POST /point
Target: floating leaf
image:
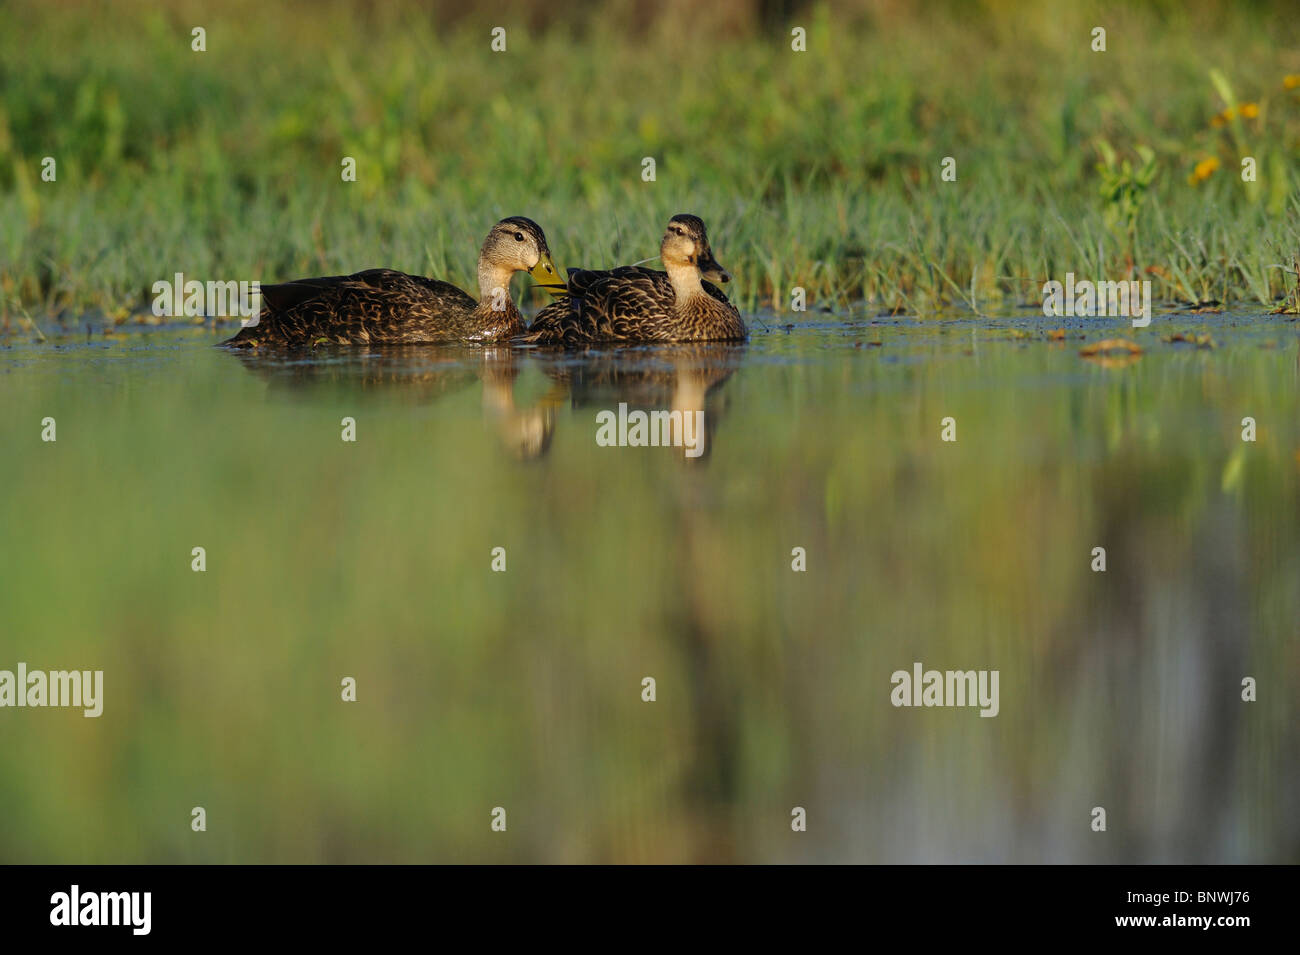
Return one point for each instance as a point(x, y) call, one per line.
point(1106, 345)
point(1191, 338)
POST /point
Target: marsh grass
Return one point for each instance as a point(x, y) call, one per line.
point(817, 169)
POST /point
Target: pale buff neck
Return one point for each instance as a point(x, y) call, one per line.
point(685, 280)
point(490, 278)
point(507, 320)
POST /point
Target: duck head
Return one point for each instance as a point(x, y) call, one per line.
point(518, 244)
point(686, 245)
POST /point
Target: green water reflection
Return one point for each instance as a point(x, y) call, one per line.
point(477, 689)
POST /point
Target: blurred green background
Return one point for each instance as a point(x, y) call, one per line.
point(818, 169)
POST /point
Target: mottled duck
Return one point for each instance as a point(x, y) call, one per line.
point(633, 304)
point(383, 306)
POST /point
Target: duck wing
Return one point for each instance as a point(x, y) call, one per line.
point(381, 283)
point(373, 306)
point(627, 302)
point(627, 306)
point(580, 280)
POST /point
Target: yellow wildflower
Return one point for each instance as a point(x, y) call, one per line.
point(1203, 170)
point(1291, 81)
point(1249, 110)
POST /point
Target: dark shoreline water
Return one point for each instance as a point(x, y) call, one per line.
point(523, 689)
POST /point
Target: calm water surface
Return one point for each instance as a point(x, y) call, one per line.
point(523, 689)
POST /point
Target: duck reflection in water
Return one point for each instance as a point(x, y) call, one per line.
point(414, 375)
point(682, 380)
point(672, 393)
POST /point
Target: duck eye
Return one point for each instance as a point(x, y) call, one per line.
point(519, 237)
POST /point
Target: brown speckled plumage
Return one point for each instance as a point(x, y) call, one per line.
point(581, 280)
point(632, 304)
point(383, 306)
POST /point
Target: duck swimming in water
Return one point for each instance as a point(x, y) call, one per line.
point(633, 304)
point(382, 306)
